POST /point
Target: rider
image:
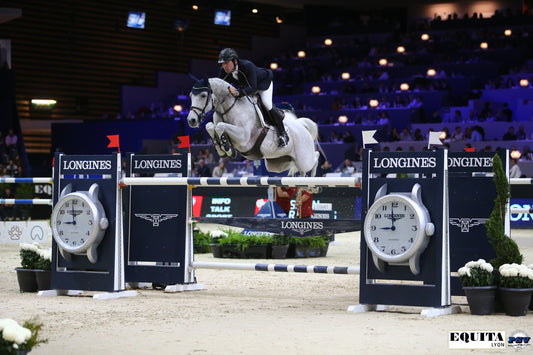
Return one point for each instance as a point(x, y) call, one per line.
point(249, 80)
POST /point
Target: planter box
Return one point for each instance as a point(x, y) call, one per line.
point(279, 251)
point(231, 251)
point(43, 278)
point(216, 250)
point(324, 250)
point(256, 252)
point(301, 251)
point(27, 280)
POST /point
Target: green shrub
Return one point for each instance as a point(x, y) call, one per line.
point(312, 242)
point(507, 251)
point(201, 241)
point(279, 239)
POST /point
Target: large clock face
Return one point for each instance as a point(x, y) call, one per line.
point(73, 222)
point(392, 227)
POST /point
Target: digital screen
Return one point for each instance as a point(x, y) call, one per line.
point(222, 17)
point(136, 19)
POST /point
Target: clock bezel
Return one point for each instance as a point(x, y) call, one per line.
point(95, 213)
point(421, 220)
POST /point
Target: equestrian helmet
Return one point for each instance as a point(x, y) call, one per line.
point(227, 54)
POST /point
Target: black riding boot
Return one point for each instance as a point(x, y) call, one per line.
point(278, 122)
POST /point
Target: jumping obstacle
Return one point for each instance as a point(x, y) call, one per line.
point(157, 210)
point(132, 183)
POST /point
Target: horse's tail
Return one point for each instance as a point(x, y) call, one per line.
point(310, 125)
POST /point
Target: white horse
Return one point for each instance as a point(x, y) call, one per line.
point(237, 123)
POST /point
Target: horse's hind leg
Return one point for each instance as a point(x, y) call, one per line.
point(313, 170)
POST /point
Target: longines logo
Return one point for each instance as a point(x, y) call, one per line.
point(157, 164)
point(405, 162)
point(466, 223)
point(301, 227)
point(470, 162)
point(155, 218)
point(86, 164)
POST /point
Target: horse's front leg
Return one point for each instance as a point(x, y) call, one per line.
point(230, 136)
point(210, 128)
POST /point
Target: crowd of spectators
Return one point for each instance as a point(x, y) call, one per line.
point(10, 162)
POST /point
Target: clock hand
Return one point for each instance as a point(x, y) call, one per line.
point(392, 216)
point(73, 216)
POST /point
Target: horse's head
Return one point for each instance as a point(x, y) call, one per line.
point(201, 102)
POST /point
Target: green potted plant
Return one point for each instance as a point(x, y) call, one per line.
point(201, 241)
point(233, 244)
point(29, 255)
point(215, 242)
point(479, 286)
point(43, 268)
point(516, 287)
point(324, 249)
point(506, 249)
point(257, 246)
point(280, 246)
point(308, 246)
point(16, 339)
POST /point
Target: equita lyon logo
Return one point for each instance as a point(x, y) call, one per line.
point(476, 339)
point(155, 218)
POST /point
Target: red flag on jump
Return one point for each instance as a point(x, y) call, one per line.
point(470, 149)
point(114, 142)
point(184, 142)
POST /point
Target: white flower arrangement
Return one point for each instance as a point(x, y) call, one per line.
point(13, 332)
point(516, 276)
point(218, 234)
point(476, 273)
point(16, 338)
point(34, 257)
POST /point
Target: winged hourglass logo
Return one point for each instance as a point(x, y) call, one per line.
point(155, 218)
point(466, 223)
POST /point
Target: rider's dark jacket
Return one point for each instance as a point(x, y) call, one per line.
point(250, 78)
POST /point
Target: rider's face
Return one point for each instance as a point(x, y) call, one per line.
point(228, 66)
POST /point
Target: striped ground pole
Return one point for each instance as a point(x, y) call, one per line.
point(27, 180)
point(244, 181)
point(309, 269)
point(25, 201)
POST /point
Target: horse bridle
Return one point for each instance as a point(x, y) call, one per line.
point(202, 115)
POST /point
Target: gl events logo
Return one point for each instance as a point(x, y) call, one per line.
point(487, 340)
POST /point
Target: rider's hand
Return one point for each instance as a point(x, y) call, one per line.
point(233, 91)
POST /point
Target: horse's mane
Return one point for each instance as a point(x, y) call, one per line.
point(218, 84)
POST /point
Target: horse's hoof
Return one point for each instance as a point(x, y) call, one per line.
point(233, 153)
